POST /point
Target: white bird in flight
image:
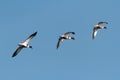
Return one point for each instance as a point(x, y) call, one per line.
point(65, 36)
point(98, 26)
point(24, 44)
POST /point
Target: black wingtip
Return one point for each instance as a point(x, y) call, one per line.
point(93, 38)
point(13, 55)
point(73, 32)
point(57, 47)
point(106, 22)
point(34, 34)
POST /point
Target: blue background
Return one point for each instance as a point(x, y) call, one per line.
point(82, 59)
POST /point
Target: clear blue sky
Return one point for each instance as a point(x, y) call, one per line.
point(82, 59)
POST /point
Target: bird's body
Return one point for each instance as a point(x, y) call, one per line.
point(98, 26)
point(65, 36)
point(24, 44)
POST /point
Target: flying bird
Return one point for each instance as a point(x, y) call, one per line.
point(24, 44)
point(98, 26)
point(66, 36)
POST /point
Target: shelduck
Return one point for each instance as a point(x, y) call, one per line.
point(24, 44)
point(66, 36)
point(98, 26)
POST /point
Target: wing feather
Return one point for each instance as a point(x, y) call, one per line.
point(94, 33)
point(59, 41)
point(17, 51)
point(30, 37)
point(101, 23)
point(68, 33)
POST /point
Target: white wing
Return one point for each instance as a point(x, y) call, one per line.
point(30, 37)
point(94, 33)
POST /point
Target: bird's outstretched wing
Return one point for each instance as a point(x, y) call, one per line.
point(68, 33)
point(59, 41)
point(17, 51)
point(94, 33)
point(101, 23)
point(30, 37)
